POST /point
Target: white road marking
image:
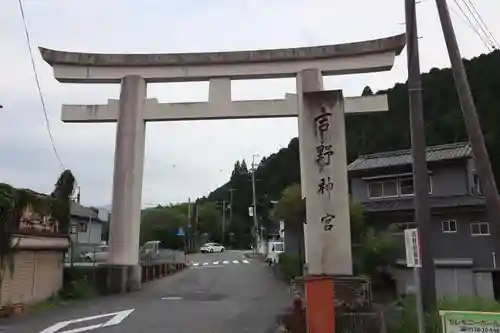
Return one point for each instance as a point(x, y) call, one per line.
point(195, 263)
point(205, 263)
point(117, 318)
point(236, 262)
point(212, 266)
point(245, 261)
point(225, 262)
point(216, 262)
point(171, 298)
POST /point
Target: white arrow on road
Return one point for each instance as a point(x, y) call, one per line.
point(117, 317)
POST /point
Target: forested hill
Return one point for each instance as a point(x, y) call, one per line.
point(383, 131)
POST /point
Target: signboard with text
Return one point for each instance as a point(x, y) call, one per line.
point(412, 246)
point(468, 321)
point(328, 236)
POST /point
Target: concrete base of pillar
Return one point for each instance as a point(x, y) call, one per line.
point(123, 279)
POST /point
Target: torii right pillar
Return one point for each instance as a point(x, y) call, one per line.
point(323, 159)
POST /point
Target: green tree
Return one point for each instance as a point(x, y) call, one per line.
point(63, 193)
point(372, 247)
point(7, 224)
point(162, 223)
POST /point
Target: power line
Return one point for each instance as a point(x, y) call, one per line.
point(472, 26)
point(37, 80)
point(475, 13)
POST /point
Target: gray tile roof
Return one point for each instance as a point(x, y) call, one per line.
point(82, 211)
point(403, 157)
point(407, 203)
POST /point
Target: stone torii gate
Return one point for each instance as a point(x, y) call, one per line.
point(321, 129)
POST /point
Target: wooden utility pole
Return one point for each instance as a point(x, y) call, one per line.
point(231, 205)
point(472, 123)
point(223, 214)
point(419, 152)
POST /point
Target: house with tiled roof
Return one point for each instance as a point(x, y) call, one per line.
point(462, 246)
point(87, 225)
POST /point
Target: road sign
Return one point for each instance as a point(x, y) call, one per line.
point(180, 232)
point(412, 245)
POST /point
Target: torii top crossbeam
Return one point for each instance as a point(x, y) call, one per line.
point(359, 57)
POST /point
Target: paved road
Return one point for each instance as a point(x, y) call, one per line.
point(239, 296)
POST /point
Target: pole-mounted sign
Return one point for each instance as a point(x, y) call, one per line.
point(412, 245)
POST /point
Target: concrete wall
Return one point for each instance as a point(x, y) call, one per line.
point(460, 244)
point(37, 276)
point(450, 281)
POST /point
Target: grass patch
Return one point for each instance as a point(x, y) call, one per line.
point(402, 317)
point(76, 290)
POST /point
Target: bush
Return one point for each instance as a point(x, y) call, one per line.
point(469, 303)
point(289, 265)
point(402, 317)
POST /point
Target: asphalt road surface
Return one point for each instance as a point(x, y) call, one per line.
point(218, 293)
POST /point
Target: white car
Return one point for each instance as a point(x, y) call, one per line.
point(211, 248)
point(100, 254)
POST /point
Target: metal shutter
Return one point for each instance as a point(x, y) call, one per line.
point(49, 274)
point(19, 287)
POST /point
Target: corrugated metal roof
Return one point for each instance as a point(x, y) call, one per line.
point(402, 157)
point(390, 205)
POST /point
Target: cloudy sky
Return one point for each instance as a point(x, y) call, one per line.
point(183, 159)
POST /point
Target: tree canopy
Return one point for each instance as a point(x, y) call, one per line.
point(376, 132)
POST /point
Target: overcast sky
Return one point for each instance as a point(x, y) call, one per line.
point(183, 159)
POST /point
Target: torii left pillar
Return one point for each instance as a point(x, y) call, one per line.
point(124, 272)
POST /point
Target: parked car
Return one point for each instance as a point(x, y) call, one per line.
point(211, 248)
point(150, 250)
point(100, 254)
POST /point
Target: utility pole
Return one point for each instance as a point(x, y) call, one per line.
point(472, 123)
point(223, 214)
point(419, 152)
point(254, 203)
point(189, 223)
point(223, 219)
point(231, 205)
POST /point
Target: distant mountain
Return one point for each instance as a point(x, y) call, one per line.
point(106, 207)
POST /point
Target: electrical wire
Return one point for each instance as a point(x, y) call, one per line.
point(38, 85)
point(472, 26)
point(473, 10)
